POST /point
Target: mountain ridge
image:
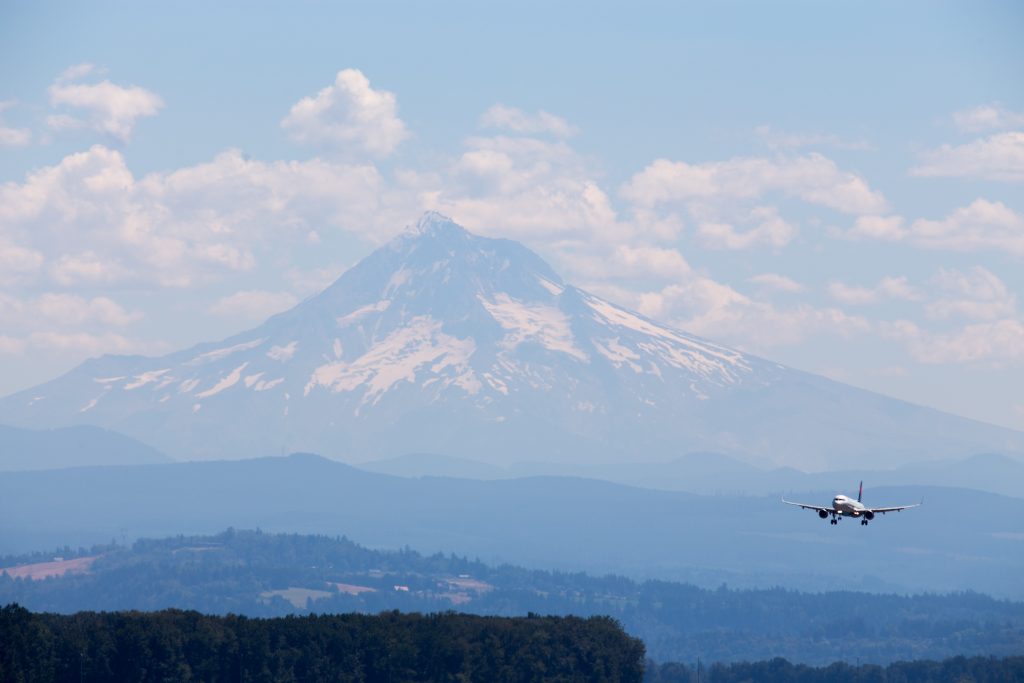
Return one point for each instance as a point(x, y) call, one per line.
point(28, 449)
point(961, 539)
point(444, 341)
point(714, 474)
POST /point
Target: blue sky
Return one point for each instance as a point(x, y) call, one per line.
point(837, 186)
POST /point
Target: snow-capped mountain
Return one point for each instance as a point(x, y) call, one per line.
point(443, 341)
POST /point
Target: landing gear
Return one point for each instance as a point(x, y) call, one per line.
point(834, 521)
point(863, 522)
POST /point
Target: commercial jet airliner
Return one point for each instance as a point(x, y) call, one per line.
point(843, 506)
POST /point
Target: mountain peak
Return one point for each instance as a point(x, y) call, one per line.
point(435, 224)
point(448, 342)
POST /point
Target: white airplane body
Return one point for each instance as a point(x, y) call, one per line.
point(844, 506)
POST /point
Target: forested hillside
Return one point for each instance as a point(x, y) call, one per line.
point(258, 574)
point(187, 646)
point(394, 647)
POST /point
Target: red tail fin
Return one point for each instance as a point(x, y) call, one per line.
point(860, 492)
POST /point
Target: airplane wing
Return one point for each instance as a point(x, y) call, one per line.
point(807, 506)
point(882, 511)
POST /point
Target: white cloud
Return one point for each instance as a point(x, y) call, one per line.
point(110, 109)
point(62, 122)
point(73, 310)
point(981, 225)
point(17, 263)
point(75, 326)
point(518, 121)
point(85, 344)
point(598, 265)
point(702, 306)
point(757, 325)
point(79, 71)
point(726, 199)
point(997, 157)
point(812, 178)
point(88, 221)
point(89, 268)
point(348, 115)
point(253, 304)
point(887, 288)
point(14, 137)
point(997, 343)
point(63, 310)
point(649, 261)
point(878, 227)
point(74, 347)
point(978, 294)
point(526, 188)
point(987, 117)
point(769, 229)
point(777, 283)
point(776, 139)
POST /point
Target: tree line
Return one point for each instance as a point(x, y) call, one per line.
point(175, 645)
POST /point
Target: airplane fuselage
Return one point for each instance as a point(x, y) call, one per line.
point(844, 505)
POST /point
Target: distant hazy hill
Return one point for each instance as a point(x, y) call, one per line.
point(260, 575)
point(960, 539)
point(434, 465)
point(714, 473)
point(29, 449)
point(446, 342)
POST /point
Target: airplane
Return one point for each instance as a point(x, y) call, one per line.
point(843, 506)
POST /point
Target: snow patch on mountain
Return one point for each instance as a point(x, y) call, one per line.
point(710, 361)
point(533, 322)
point(496, 383)
point(419, 345)
point(618, 354)
point(360, 313)
point(145, 378)
point(284, 352)
point(226, 383)
point(552, 287)
point(399, 278)
point(264, 385)
point(219, 354)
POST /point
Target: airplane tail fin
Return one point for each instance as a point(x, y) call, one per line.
point(860, 491)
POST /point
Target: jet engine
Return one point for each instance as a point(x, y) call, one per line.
point(822, 514)
point(869, 515)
